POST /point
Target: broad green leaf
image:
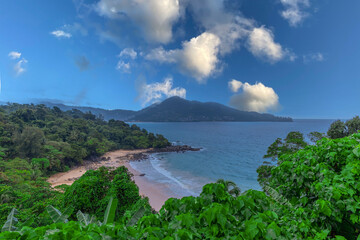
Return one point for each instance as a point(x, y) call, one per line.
point(83, 218)
point(10, 221)
point(139, 213)
point(57, 216)
point(109, 215)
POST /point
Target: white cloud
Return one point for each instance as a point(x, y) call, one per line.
point(257, 97)
point(19, 65)
point(14, 55)
point(230, 28)
point(197, 58)
point(294, 11)
point(154, 17)
point(261, 43)
point(313, 57)
point(75, 28)
point(154, 92)
point(163, 56)
point(123, 67)
point(19, 68)
point(224, 32)
point(61, 34)
point(235, 85)
point(128, 52)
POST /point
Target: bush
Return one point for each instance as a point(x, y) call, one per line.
point(91, 192)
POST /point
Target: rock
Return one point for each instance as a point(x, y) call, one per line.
point(175, 148)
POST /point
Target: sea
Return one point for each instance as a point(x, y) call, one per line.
point(229, 150)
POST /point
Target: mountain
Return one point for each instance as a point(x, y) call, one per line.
point(176, 109)
point(117, 114)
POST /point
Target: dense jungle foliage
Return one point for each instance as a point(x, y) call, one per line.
point(37, 141)
point(311, 192)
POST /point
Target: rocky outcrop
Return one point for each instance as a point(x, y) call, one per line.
point(175, 148)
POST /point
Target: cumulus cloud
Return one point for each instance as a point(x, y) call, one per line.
point(82, 63)
point(14, 55)
point(123, 67)
point(294, 11)
point(215, 18)
point(155, 18)
point(313, 57)
point(257, 97)
point(224, 32)
point(61, 34)
point(235, 85)
point(154, 92)
point(197, 57)
point(128, 52)
point(261, 43)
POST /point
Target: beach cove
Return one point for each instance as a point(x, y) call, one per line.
point(156, 192)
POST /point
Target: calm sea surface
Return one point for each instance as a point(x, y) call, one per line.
point(231, 150)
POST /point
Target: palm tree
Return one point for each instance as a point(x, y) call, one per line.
point(230, 187)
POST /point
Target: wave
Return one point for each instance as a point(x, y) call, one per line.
point(156, 164)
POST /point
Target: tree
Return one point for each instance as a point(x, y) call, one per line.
point(292, 143)
point(42, 163)
point(230, 187)
point(92, 191)
point(353, 125)
point(30, 142)
point(316, 136)
point(337, 130)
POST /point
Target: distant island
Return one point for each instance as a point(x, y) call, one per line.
point(176, 109)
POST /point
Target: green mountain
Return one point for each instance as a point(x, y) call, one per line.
point(176, 109)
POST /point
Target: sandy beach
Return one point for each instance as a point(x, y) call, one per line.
point(155, 192)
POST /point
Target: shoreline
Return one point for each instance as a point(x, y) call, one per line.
point(156, 192)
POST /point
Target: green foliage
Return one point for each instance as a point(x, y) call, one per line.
point(92, 191)
point(230, 187)
point(353, 125)
point(66, 138)
point(42, 163)
point(323, 181)
point(316, 136)
point(292, 143)
point(57, 216)
point(340, 129)
point(215, 214)
point(36, 141)
point(11, 221)
point(85, 219)
point(109, 215)
point(29, 143)
point(337, 130)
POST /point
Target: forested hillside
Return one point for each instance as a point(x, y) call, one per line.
point(66, 138)
point(36, 141)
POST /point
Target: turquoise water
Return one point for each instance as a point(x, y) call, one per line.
point(231, 150)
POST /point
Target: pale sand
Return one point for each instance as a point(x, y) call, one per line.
point(154, 191)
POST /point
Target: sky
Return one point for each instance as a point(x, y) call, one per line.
point(297, 58)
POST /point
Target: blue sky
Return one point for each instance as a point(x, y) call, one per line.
point(297, 58)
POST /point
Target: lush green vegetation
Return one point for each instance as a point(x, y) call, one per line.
point(66, 138)
point(37, 141)
point(312, 192)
